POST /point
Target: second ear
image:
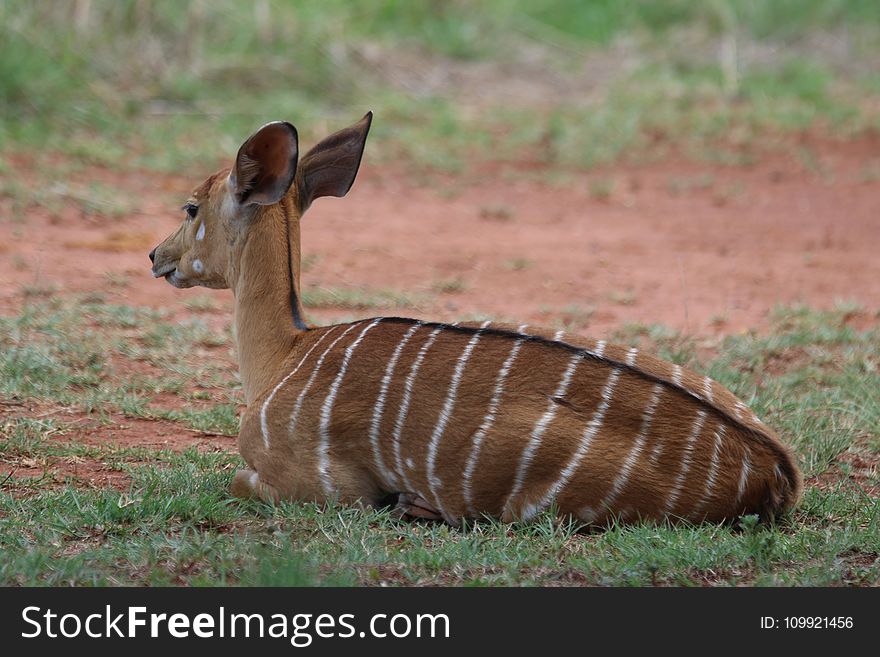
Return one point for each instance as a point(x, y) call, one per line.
point(330, 167)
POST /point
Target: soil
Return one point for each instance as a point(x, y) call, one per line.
point(114, 431)
point(705, 249)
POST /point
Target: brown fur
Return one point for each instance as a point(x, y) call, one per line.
point(595, 449)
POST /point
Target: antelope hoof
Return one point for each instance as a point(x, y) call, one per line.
point(415, 506)
point(246, 484)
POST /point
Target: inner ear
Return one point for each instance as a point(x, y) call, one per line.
point(265, 165)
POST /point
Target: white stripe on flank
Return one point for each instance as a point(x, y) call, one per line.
point(302, 395)
point(443, 419)
point(686, 462)
point(593, 427)
point(558, 335)
point(741, 409)
point(600, 349)
point(743, 480)
point(676, 375)
point(263, 423)
point(390, 479)
point(632, 458)
point(404, 405)
point(713, 471)
point(488, 421)
point(707, 388)
point(540, 427)
point(631, 356)
point(327, 409)
point(529, 511)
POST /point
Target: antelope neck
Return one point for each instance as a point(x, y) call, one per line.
point(268, 314)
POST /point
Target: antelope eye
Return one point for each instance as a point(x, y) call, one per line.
point(191, 210)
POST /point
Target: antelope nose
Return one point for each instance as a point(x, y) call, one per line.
point(153, 255)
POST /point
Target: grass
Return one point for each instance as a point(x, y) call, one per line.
point(571, 317)
point(449, 285)
point(601, 189)
point(97, 358)
point(72, 92)
point(358, 298)
point(518, 264)
point(169, 520)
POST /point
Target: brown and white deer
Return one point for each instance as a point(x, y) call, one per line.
point(455, 420)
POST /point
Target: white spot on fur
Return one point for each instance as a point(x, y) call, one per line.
point(198, 267)
point(200, 233)
point(409, 463)
point(253, 479)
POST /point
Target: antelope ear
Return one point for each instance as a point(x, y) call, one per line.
point(265, 165)
point(329, 169)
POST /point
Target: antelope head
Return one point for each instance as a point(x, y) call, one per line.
point(206, 248)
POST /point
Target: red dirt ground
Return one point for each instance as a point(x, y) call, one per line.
point(116, 431)
point(705, 249)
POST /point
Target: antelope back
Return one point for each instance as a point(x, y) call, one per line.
point(504, 421)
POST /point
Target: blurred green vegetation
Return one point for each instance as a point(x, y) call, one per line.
point(170, 84)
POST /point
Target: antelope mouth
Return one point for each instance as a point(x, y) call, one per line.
point(171, 274)
point(165, 270)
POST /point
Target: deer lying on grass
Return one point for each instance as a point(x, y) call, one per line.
point(455, 420)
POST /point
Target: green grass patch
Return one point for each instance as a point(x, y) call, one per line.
point(96, 357)
point(359, 298)
point(159, 85)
